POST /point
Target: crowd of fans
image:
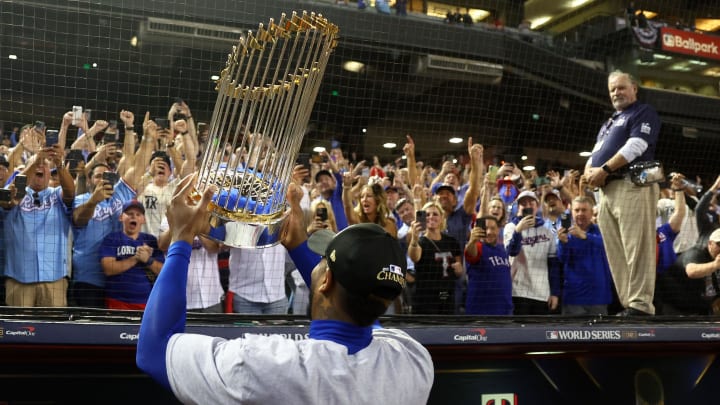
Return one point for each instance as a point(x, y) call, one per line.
point(85, 226)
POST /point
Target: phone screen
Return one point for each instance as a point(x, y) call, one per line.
point(51, 137)
point(526, 212)
point(322, 213)
point(480, 223)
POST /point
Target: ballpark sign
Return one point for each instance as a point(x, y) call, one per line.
point(690, 43)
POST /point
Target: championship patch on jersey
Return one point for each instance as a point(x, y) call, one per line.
point(645, 128)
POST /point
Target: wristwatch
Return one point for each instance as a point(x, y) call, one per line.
point(606, 168)
point(149, 262)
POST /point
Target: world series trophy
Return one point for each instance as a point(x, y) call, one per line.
point(266, 93)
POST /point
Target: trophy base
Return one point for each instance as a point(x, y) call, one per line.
point(241, 230)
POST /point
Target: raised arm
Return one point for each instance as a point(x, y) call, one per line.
point(476, 176)
point(409, 150)
point(165, 311)
point(142, 157)
point(84, 212)
point(128, 153)
point(678, 215)
point(347, 197)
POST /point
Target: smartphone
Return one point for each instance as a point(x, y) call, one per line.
point(492, 173)
point(88, 115)
point(75, 154)
point(303, 159)
point(109, 138)
point(322, 213)
point(317, 158)
point(421, 217)
point(162, 123)
point(20, 184)
point(110, 177)
point(4, 195)
point(565, 221)
point(51, 137)
point(201, 126)
point(480, 223)
point(40, 126)
point(526, 212)
point(112, 124)
point(76, 114)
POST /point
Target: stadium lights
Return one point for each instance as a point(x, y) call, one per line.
point(319, 149)
point(455, 140)
point(134, 41)
point(536, 23)
point(389, 145)
point(523, 157)
point(712, 72)
point(577, 3)
point(364, 130)
point(13, 57)
point(528, 168)
point(707, 24)
point(214, 77)
point(353, 66)
point(585, 154)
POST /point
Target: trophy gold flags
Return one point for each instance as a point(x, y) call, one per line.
point(266, 93)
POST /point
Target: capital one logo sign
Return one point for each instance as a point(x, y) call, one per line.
point(499, 399)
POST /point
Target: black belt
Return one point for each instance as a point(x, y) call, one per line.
point(616, 175)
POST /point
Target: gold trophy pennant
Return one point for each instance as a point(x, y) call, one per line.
point(266, 92)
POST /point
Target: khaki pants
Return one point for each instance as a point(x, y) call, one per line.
point(46, 294)
point(626, 216)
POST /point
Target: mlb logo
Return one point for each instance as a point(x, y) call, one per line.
point(498, 399)
point(551, 334)
point(396, 269)
point(645, 128)
point(669, 40)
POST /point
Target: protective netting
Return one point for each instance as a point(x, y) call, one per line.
point(532, 95)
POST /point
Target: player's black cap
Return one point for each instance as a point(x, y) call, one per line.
point(364, 258)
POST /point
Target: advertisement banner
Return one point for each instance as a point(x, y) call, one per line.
point(690, 43)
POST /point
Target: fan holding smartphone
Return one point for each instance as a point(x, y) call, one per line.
point(537, 281)
point(489, 288)
point(323, 217)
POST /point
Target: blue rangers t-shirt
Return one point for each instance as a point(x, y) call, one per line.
point(133, 285)
point(489, 289)
point(637, 121)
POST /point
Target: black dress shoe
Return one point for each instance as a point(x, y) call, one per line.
point(632, 312)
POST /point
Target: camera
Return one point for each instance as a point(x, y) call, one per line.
point(179, 116)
